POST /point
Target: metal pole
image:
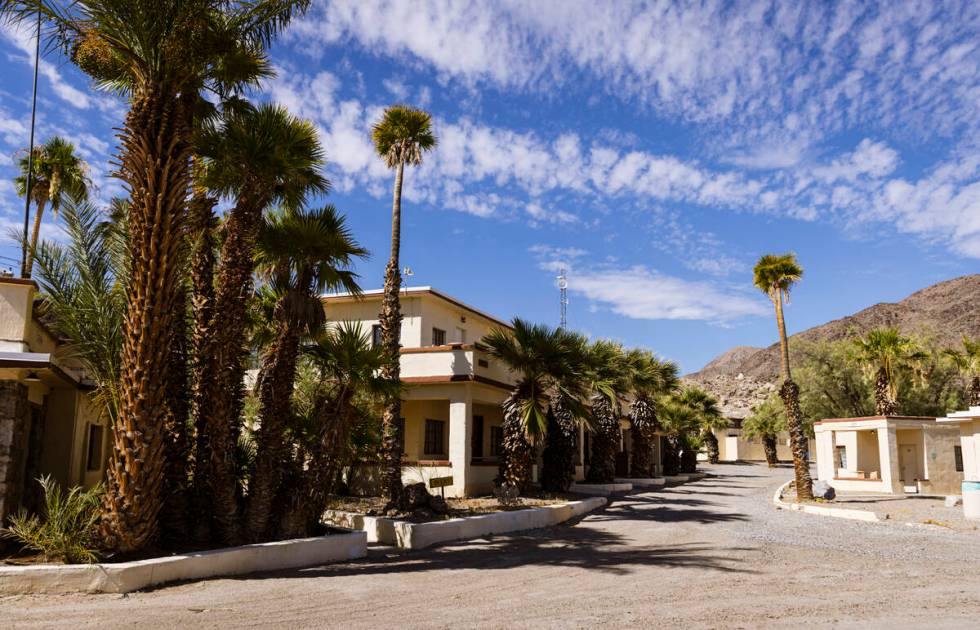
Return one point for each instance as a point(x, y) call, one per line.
point(24, 271)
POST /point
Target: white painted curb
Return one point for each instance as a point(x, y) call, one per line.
point(652, 481)
point(599, 489)
point(407, 535)
point(854, 515)
point(124, 577)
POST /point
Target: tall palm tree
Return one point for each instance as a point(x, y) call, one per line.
point(648, 378)
point(709, 418)
point(58, 174)
point(533, 353)
point(607, 373)
point(565, 413)
point(258, 157)
point(350, 365)
point(968, 364)
point(303, 254)
point(775, 275)
point(767, 421)
point(159, 53)
point(884, 352)
point(401, 137)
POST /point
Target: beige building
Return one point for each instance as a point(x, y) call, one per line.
point(734, 446)
point(888, 454)
point(451, 405)
point(48, 424)
point(968, 457)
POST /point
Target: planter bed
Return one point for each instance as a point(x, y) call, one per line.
point(408, 535)
point(124, 577)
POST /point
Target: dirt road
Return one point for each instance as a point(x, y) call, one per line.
point(712, 553)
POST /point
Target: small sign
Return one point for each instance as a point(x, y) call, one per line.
point(440, 482)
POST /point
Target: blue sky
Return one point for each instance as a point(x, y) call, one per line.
point(655, 150)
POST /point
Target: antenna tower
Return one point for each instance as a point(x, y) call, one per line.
point(563, 288)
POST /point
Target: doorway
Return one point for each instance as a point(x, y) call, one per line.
point(908, 463)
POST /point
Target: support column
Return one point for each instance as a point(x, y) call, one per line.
point(888, 459)
point(460, 432)
point(826, 464)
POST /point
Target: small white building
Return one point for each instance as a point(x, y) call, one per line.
point(968, 457)
point(888, 454)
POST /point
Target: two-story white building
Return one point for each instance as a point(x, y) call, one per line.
point(451, 405)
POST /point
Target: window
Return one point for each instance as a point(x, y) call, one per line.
point(841, 456)
point(434, 431)
point(477, 439)
point(94, 458)
point(958, 456)
point(375, 335)
point(460, 335)
point(438, 337)
point(496, 441)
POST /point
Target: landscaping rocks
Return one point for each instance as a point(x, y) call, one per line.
point(823, 490)
point(953, 501)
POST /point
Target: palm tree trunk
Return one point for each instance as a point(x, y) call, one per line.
point(203, 225)
point(35, 235)
point(605, 442)
point(558, 459)
point(226, 353)
point(643, 425)
point(275, 392)
point(772, 457)
point(975, 391)
point(884, 404)
point(391, 328)
point(154, 165)
point(790, 394)
point(711, 445)
point(175, 515)
point(671, 455)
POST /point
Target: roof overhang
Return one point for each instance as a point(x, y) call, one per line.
point(40, 362)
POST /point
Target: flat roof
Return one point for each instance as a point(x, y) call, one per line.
point(346, 296)
point(877, 418)
point(962, 416)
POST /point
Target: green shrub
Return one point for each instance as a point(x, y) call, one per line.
point(67, 529)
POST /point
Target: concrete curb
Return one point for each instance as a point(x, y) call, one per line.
point(599, 489)
point(653, 481)
point(124, 577)
point(854, 515)
point(407, 535)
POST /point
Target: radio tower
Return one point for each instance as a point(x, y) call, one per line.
point(563, 288)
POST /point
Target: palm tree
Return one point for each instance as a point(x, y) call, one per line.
point(349, 365)
point(676, 420)
point(159, 53)
point(58, 173)
point(258, 157)
point(401, 137)
point(565, 413)
point(767, 421)
point(884, 352)
point(607, 373)
point(303, 254)
point(709, 418)
point(649, 378)
point(968, 364)
point(775, 275)
point(532, 352)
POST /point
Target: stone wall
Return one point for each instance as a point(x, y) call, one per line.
point(15, 428)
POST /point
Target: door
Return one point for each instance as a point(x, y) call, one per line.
point(907, 463)
point(731, 448)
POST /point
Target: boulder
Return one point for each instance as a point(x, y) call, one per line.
point(823, 490)
point(415, 496)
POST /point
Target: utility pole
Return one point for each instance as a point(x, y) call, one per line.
point(24, 271)
point(563, 288)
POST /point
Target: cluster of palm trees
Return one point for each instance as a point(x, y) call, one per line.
point(565, 382)
point(168, 305)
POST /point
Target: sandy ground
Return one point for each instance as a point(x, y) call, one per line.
point(917, 510)
point(712, 553)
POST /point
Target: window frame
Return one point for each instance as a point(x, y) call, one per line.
point(496, 445)
point(440, 334)
point(958, 458)
point(94, 449)
point(376, 340)
point(431, 424)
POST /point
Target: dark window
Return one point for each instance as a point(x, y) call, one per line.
point(496, 441)
point(375, 335)
point(841, 457)
point(438, 337)
point(434, 430)
point(94, 457)
point(958, 456)
point(477, 439)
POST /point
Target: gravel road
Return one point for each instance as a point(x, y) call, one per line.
point(712, 553)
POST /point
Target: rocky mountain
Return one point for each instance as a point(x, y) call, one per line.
point(743, 376)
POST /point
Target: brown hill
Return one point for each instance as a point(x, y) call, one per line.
point(944, 311)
